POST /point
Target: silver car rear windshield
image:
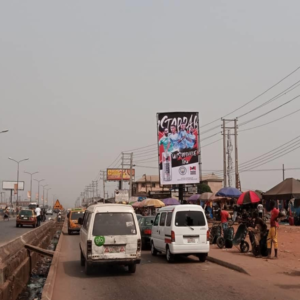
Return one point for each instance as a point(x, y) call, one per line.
point(189, 218)
point(106, 224)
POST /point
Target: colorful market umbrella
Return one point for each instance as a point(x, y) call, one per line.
point(136, 204)
point(216, 198)
point(171, 201)
point(229, 192)
point(205, 196)
point(248, 197)
point(194, 197)
point(153, 202)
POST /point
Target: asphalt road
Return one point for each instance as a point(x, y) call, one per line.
point(9, 231)
point(156, 279)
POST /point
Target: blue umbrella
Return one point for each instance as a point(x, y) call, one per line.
point(229, 192)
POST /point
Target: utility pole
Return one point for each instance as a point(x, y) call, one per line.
point(130, 182)
point(237, 177)
point(229, 157)
point(224, 152)
point(283, 172)
point(103, 177)
point(122, 171)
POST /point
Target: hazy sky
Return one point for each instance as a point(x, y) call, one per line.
point(82, 81)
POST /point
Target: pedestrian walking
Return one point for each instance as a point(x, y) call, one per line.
point(38, 215)
point(273, 232)
point(224, 219)
point(6, 214)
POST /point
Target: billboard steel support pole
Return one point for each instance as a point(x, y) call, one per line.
point(122, 171)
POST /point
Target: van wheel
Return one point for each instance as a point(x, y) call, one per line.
point(153, 250)
point(202, 257)
point(170, 257)
point(69, 232)
point(17, 225)
point(132, 268)
point(87, 268)
point(82, 259)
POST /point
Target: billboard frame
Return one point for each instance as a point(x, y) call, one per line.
point(119, 169)
point(13, 184)
point(198, 145)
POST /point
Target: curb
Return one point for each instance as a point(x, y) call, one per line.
point(50, 282)
point(227, 265)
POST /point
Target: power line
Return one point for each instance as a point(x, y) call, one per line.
point(247, 129)
point(286, 91)
point(282, 145)
point(253, 98)
point(272, 155)
point(211, 143)
point(268, 112)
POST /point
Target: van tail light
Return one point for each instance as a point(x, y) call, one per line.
point(139, 245)
point(147, 231)
point(173, 237)
point(31, 219)
point(89, 248)
point(207, 235)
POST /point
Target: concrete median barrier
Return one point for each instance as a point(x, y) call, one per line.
point(16, 263)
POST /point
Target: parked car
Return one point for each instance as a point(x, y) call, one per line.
point(145, 224)
point(180, 229)
point(26, 217)
point(73, 216)
point(49, 211)
point(110, 235)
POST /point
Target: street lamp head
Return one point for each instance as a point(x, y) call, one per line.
point(3, 131)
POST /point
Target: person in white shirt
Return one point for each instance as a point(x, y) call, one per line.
point(38, 214)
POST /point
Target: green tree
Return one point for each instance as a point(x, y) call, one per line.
point(203, 188)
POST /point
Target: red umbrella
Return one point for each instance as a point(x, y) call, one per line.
point(248, 197)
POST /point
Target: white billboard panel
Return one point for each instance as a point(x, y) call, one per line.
point(10, 185)
point(122, 196)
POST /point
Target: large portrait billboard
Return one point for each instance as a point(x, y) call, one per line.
point(178, 136)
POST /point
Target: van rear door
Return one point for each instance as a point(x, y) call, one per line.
point(190, 227)
point(115, 236)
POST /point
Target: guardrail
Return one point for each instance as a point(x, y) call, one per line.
point(16, 263)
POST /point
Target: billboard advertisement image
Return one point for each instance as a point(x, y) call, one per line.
point(115, 174)
point(178, 147)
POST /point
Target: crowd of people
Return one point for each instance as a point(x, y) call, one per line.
point(258, 225)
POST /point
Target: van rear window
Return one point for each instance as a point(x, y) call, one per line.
point(189, 218)
point(76, 215)
point(114, 224)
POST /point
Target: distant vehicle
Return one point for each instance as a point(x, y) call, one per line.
point(32, 205)
point(110, 235)
point(73, 217)
point(139, 216)
point(145, 224)
point(26, 217)
point(180, 229)
point(49, 211)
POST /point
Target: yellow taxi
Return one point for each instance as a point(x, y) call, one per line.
point(73, 216)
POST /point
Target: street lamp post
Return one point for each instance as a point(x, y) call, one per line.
point(18, 162)
point(31, 183)
point(44, 194)
point(38, 181)
point(47, 194)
